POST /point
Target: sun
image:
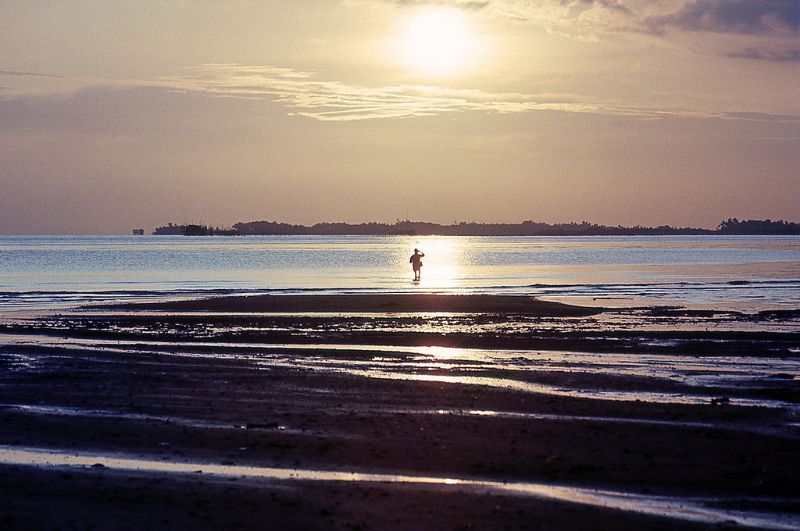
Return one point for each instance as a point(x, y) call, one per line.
point(436, 42)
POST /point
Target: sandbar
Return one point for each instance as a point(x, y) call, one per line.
point(400, 303)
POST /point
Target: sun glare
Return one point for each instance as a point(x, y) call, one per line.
point(443, 267)
point(436, 42)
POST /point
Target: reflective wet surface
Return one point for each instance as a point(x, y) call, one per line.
point(735, 380)
point(701, 510)
point(693, 418)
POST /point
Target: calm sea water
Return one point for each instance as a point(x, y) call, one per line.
point(744, 272)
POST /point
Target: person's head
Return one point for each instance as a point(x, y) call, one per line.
point(416, 251)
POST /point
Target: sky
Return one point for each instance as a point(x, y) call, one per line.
point(117, 115)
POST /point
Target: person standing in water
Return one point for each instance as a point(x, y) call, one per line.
point(416, 263)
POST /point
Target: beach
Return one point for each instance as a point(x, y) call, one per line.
point(400, 265)
point(399, 412)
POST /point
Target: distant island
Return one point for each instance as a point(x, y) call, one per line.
point(730, 226)
point(193, 230)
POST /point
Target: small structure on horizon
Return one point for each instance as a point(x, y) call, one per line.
point(138, 232)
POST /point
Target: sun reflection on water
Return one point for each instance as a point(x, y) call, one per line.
point(443, 265)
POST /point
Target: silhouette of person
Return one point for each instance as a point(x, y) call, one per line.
point(416, 263)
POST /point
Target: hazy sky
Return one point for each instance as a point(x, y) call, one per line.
point(116, 115)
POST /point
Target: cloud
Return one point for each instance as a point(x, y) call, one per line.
point(748, 29)
point(762, 117)
point(469, 5)
point(768, 29)
point(780, 55)
point(304, 95)
point(335, 101)
point(571, 6)
point(764, 30)
point(578, 19)
point(755, 17)
point(17, 73)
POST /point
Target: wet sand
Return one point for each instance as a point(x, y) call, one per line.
point(714, 429)
point(507, 304)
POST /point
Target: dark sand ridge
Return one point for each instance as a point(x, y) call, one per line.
point(477, 321)
point(509, 304)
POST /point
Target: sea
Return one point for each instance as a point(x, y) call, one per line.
point(66, 369)
point(743, 273)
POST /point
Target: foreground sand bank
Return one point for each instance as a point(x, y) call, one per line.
point(310, 409)
point(701, 417)
point(510, 304)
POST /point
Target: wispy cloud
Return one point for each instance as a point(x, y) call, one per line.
point(790, 55)
point(335, 101)
point(762, 117)
point(17, 73)
point(564, 6)
point(576, 18)
point(766, 17)
point(585, 20)
point(304, 95)
point(469, 5)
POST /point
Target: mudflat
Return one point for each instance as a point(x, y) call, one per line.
point(656, 428)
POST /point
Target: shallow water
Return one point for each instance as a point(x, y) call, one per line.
point(741, 272)
point(697, 510)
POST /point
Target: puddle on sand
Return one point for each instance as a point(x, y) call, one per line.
point(390, 371)
point(692, 509)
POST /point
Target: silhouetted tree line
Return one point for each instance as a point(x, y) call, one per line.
point(757, 226)
point(526, 228)
point(193, 230)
